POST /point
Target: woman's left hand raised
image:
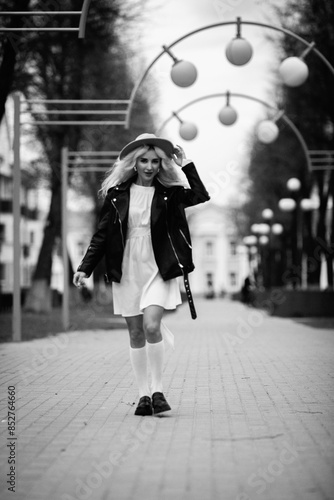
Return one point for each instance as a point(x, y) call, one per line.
point(179, 155)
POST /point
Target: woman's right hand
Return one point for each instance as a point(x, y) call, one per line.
point(78, 279)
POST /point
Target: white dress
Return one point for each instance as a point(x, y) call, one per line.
point(141, 283)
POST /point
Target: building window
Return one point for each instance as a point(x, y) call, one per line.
point(6, 188)
point(233, 248)
point(2, 272)
point(81, 247)
point(2, 233)
point(209, 286)
point(209, 277)
point(32, 237)
point(233, 279)
point(26, 251)
point(209, 248)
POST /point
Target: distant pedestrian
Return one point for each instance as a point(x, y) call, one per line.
point(210, 294)
point(144, 236)
point(246, 291)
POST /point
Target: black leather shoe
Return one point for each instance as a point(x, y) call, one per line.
point(144, 407)
point(159, 403)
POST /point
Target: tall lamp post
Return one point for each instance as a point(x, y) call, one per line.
point(277, 254)
point(261, 231)
point(251, 243)
point(293, 185)
point(297, 205)
point(264, 234)
point(268, 215)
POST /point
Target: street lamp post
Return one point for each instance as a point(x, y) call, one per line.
point(277, 253)
point(294, 185)
point(297, 205)
point(268, 215)
point(288, 205)
point(261, 231)
point(265, 233)
point(251, 243)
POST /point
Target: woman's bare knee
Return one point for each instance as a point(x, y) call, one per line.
point(137, 338)
point(136, 332)
point(152, 321)
point(152, 331)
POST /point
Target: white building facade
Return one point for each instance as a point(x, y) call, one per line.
point(32, 218)
point(221, 262)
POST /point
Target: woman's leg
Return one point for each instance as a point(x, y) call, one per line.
point(138, 354)
point(155, 344)
point(136, 331)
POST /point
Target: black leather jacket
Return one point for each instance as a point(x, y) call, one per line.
point(169, 228)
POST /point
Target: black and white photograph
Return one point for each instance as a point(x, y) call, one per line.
point(167, 249)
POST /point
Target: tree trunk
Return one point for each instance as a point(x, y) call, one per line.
point(39, 297)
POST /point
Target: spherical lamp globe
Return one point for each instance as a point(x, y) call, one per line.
point(239, 51)
point(250, 240)
point(264, 240)
point(293, 184)
point(307, 204)
point(287, 204)
point(255, 228)
point(188, 131)
point(315, 202)
point(183, 73)
point(267, 131)
point(267, 213)
point(264, 228)
point(293, 71)
point(227, 115)
point(277, 228)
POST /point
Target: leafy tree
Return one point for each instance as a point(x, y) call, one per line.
point(311, 108)
point(58, 65)
point(9, 49)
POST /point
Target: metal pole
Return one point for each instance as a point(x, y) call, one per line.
point(41, 13)
point(270, 251)
point(83, 18)
point(300, 241)
point(64, 182)
point(16, 320)
point(4, 30)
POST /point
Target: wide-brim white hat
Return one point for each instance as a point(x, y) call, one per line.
point(148, 140)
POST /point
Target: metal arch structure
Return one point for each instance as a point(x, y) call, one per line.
point(76, 161)
point(119, 120)
point(81, 29)
point(285, 118)
point(239, 21)
point(322, 160)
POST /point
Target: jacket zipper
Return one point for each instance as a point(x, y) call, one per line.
point(185, 239)
point(119, 220)
point(172, 245)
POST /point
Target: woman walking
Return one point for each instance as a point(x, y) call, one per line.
point(144, 236)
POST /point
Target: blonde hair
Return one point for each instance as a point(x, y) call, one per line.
point(123, 169)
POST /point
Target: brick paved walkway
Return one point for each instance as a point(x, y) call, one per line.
point(252, 418)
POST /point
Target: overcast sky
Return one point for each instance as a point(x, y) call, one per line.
point(220, 152)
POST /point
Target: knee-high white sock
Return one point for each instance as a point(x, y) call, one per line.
point(155, 354)
point(138, 358)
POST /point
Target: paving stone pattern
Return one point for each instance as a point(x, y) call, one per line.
point(252, 412)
